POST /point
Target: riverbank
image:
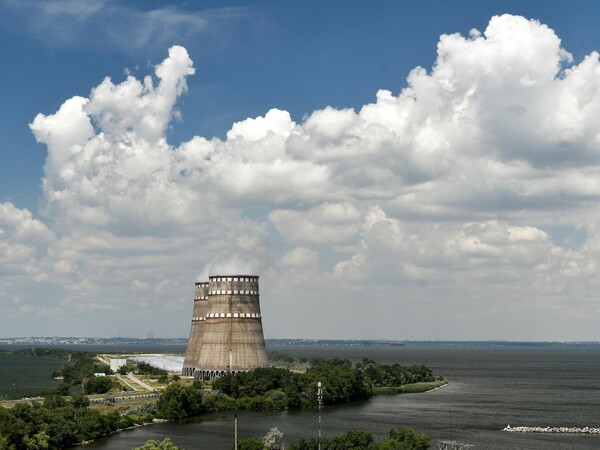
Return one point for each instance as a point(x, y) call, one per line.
point(441, 386)
point(266, 389)
point(413, 388)
point(209, 417)
point(489, 387)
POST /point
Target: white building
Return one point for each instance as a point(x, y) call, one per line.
point(117, 363)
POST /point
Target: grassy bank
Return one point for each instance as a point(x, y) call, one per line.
point(413, 388)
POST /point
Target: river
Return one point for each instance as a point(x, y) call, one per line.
point(490, 387)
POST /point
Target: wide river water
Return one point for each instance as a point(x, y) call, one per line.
point(490, 387)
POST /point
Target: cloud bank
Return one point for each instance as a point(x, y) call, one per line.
point(462, 207)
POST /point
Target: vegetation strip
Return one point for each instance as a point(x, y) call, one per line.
point(400, 438)
point(63, 420)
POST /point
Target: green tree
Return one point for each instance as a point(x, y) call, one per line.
point(177, 402)
point(4, 443)
point(54, 401)
point(147, 369)
point(97, 385)
point(32, 417)
point(251, 443)
point(63, 389)
point(61, 428)
point(39, 441)
point(164, 378)
point(399, 439)
point(403, 438)
point(92, 425)
point(12, 430)
point(81, 366)
point(80, 400)
point(152, 444)
point(353, 439)
point(305, 444)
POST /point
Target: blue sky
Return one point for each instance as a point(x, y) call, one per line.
point(298, 56)
point(278, 149)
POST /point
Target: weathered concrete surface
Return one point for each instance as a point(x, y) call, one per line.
point(226, 333)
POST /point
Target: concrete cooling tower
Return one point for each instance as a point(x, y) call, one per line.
point(226, 334)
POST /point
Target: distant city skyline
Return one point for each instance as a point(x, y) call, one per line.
point(390, 170)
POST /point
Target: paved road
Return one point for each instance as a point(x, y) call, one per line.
point(127, 383)
point(140, 382)
point(102, 360)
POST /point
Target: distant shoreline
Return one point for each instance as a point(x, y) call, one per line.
point(85, 341)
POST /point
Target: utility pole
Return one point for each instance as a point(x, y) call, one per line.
point(235, 433)
point(320, 401)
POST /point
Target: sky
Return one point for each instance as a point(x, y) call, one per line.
point(392, 170)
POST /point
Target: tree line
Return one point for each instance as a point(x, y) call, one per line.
point(60, 423)
point(276, 388)
point(56, 424)
point(401, 438)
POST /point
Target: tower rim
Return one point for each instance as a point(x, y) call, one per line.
point(239, 275)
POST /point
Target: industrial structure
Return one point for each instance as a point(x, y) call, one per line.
point(116, 363)
point(226, 335)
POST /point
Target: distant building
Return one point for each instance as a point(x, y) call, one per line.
point(226, 335)
point(117, 363)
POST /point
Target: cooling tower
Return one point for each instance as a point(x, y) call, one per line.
point(198, 317)
point(226, 333)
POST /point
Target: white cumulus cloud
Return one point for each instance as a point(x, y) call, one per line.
point(428, 208)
